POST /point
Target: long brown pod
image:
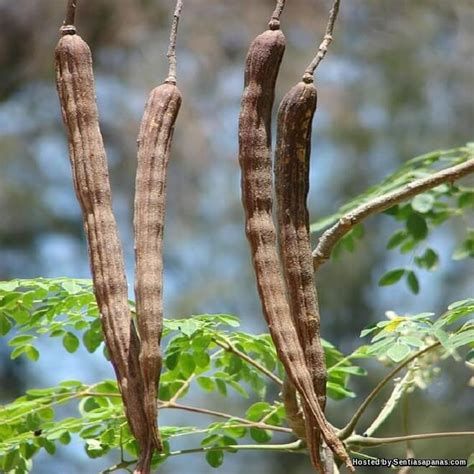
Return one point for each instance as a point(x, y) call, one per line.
point(292, 156)
point(75, 84)
point(262, 65)
point(154, 144)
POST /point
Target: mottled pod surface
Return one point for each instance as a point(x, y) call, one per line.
point(261, 69)
point(154, 143)
point(292, 163)
point(75, 84)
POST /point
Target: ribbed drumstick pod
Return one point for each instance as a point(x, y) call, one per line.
point(292, 165)
point(261, 70)
point(154, 145)
point(75, 84)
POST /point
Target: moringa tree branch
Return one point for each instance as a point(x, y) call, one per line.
point(331, 236)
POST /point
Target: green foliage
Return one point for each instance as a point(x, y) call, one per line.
point(210, 353)
point(400, 336)
point(418, 216)
point(202, 351)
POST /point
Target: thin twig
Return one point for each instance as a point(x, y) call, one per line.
point(349, 428)
point(331, 236)
point(323, 47)
point(397, 393)
point(171, 79)
point(118, 466)
point(409, 453)
point(296, 446)
point(228, 346)
point(243, 421)
point(369, 442)
point(274, 23)
point(70, 12)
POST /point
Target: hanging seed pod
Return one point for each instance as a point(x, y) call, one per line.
point(75, 84)
point(154, 144)
point(292, 157)
point(261, 70)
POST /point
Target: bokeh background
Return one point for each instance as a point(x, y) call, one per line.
point(397, 82)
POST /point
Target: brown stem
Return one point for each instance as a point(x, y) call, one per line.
point(70, 12)
point(171, 79)
point(323, 47)
point(274, 23)
point(331, 236)
point(205, 411)
point(349, 428)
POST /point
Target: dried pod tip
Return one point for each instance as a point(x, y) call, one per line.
point(307, 78)
point(170, 80)
point(274, 24)
point(67, 30)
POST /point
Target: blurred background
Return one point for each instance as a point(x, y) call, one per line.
point(397, 82)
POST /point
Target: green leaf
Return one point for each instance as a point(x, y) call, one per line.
point(351, 370)
point(260, 436)
point(423, 202)
point(202, 359)
point(215, 458)
point(470, 461)
point(464, 250)
point(339, 392)
point(257, 411)
point(412, 341)
point(429, 260)
point(187, 364)
point(458, 304)
point(172, 360)
point(92, 340)
point(396, 239)
point(466, 199)
point(189, 326)
point(31, 352)
point(71, 287)
point(398, 352)
point(417, 227)
point(20, 340)
point(206, 383)
point(221, 387)
point(70, 342)
point(5, 325)
point(412, 282)
point(391, 277)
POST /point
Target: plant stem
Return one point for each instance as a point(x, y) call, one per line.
point(228, 346)
point(395, 397)
point(331, 236)
point(275, 19)
point(369, 442)
point(349, 428)
point(295, 446)
point(172, 44)
point(323, 47)
point(243, 421)
point(70, 12)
